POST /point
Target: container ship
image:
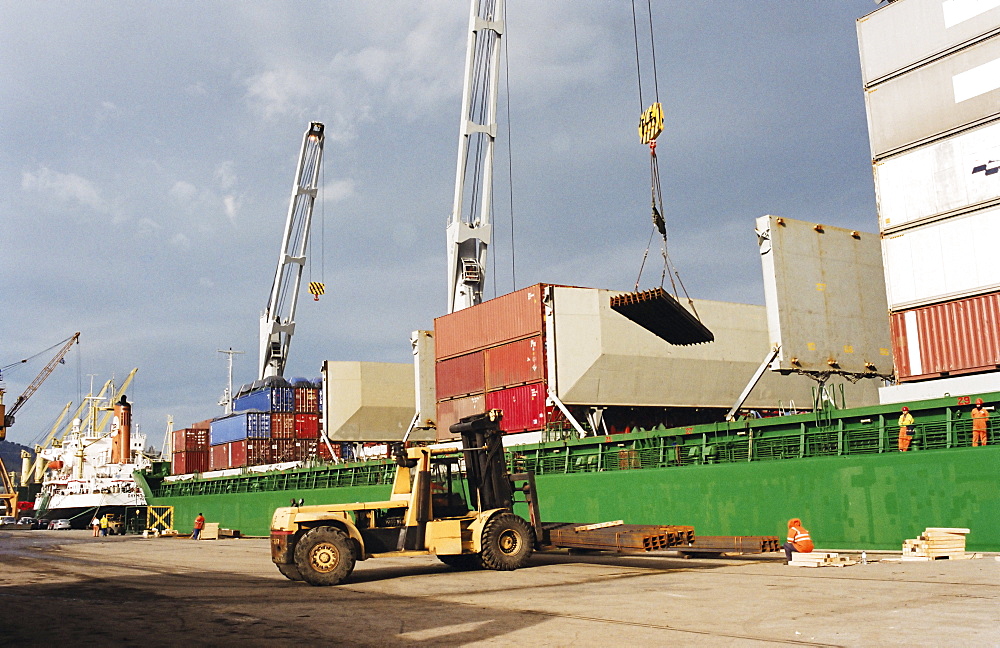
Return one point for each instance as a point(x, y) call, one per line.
point(624, 410)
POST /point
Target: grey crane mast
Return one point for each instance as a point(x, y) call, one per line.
point(277, 322)
point(469, 226)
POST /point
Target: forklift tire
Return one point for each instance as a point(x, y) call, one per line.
point(507, 542)
point(291, 572)
point(324, 556)
point(464, 562)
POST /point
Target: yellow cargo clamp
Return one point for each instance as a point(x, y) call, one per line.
point(651, 123)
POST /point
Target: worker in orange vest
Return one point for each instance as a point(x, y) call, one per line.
point(905, 429)
point(798, 540)
point(980, 417)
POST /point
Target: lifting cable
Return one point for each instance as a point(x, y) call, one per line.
point(650, 127)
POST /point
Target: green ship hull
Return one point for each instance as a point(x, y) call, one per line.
point(838, 471)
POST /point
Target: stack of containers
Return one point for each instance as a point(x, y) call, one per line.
point(931, 70)
point(492, 356)
point(190, 449)
point(306, 423)
point(238, 438)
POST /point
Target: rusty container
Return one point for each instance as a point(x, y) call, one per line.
point(238, 453)
point(190, 439)
point(306, 400)
point(953, 338)
point(218, 458)
point(515, 363)
point(283, 425)
point(450, 412)
point(460, 375)
point(516, 315)
point(190, 461)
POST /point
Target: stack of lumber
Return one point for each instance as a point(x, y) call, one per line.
point(936, 543)
point(820, 559)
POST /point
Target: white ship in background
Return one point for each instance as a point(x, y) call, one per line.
point(89, 472)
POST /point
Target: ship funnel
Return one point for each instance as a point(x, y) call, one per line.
point(121, 433)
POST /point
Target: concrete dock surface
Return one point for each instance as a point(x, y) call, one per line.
point(67, 588)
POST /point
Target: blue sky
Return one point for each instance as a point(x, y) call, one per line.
point(147, 152)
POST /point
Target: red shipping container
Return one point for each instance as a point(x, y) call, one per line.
point(258, 452)
point(514, 363)
point(523, 407)
point(203, 425)
point(306, 400)
point(283, 450)
point(190, 439)
point(219, 457)
point(509, 317)
point(307, 426)
point(451, 411)
point(323, 450)
point(192, 461)
point(282, 426)
point(460, 376)
point(237, 453)
point(953, 338)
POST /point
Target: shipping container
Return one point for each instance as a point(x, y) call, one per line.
point(943, 260)
point(190, 439)
point(283, 450)
point(306, 449)
point(451, 411)
point(901, 35)
point(237, 454)
point(269, 399)
point(460, 375)
point(515, 363)
point(948, 177)
point(512, 316)
point(258, 452)
point(306, 400)
point(283, 426)
point(523, 407)
point(306, 426)
point(218, 458)
point(189, 461)
point(953, 93)
point(953, 338)
point(323, 450)
point(245, 425)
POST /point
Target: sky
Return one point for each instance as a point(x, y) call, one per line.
point(147, 153)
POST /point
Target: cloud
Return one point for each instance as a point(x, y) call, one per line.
point(280, 92)
point(337, 190)
point(65, 187)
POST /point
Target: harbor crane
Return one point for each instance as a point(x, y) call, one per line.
point(8, 496)
point(277, 322)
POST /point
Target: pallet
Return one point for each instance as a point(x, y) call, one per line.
point(820, 559)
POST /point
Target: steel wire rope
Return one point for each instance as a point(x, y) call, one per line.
point(510, 159)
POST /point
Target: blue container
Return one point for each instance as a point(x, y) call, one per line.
point(245, 425)
point(269, 399)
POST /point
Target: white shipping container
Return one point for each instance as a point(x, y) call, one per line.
point(943, 260)
point(950, 175)
point(903, 34)
point(954, 92)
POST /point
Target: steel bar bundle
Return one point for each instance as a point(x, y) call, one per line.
point(619, 537)
point(659, 313)
point(733, 545)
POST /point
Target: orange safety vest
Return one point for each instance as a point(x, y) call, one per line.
point(979, 417)
point(800, 539)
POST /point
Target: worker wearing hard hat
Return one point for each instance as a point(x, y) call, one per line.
point(798, 539)
point(980, 417)
point(905, 429)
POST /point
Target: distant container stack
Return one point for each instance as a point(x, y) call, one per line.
point(931, 71)
point(268, 425)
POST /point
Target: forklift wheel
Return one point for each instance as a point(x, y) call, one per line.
point(324, 556)
point(464, 562)
point(291, 572)
point(507, 542)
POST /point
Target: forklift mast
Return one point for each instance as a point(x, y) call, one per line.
point(485, 466)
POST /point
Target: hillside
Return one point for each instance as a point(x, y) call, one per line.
point(11, 454)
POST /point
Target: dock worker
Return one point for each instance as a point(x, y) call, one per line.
point(905, 429)
point(980, 418)
point(199, 524)
point(798, 540)
point(104, 524)
point(95, 524)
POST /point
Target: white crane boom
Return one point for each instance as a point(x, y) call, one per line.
point(469, 227)
point(277, 322)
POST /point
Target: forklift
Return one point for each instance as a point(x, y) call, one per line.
point(457, 506)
